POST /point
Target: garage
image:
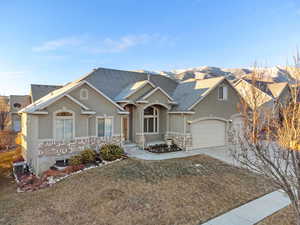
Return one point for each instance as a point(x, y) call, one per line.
point(208, 133)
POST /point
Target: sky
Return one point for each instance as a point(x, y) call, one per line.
point(57, 41)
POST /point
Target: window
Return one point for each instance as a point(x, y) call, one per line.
point(84, 94)
point(17, 124)
point(104, 127)
point(222, 93)
point(151, 120)
point(17, 105)
point(64, 125)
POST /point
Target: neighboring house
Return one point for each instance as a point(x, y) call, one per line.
point(13, 104)
point(263, 94)
point(114, 106)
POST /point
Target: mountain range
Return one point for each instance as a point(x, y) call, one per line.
point(272, 74)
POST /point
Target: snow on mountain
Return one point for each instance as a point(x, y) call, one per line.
point(273, 74)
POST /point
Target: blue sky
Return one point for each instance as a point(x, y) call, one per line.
point(54, 42)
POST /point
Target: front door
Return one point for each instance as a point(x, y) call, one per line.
point(125, 128)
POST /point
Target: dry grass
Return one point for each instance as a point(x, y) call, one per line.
point(137, 192)
point(285, 216)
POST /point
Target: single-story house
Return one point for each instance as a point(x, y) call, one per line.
point(115, 106)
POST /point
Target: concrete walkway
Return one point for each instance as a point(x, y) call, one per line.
point(254, 211)
point(221, 153)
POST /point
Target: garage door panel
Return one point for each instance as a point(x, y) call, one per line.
point(208, 133)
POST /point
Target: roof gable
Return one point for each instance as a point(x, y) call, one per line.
point(62, 92)
point(245, 89)
point(132, 89)
point(277, 88)
point(190, 92)
point(145, 97)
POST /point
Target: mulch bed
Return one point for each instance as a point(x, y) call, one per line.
point(163, 148)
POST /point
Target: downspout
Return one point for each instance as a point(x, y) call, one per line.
point(184, 131)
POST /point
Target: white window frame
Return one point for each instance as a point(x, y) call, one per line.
point(55, 117)
point(112, 124)
point(225, 93)
point(84, 90)
point(155, 126)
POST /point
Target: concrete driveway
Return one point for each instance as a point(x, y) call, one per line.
point(221, 153)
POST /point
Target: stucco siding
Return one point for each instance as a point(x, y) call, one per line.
point(210, 106)
point(176, 122)
point(46, 121)
point(158, 97)
point(285, 95)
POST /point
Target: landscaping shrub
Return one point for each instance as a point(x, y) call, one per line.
point(75, 160)
point(88, 156)
point(111, 152)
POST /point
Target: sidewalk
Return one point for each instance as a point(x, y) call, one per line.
point(221, 153)
point(254, 211)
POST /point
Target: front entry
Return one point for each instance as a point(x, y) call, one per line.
point(128, 123)
point(125, 129)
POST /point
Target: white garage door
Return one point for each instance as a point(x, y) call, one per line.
point(208, 133)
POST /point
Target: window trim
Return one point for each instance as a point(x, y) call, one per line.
point(70, 117)
point(82, 90)
point(154, 117)
point(225, 93)
point(112, 124)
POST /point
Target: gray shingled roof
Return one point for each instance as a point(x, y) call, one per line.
point(190, 91)
point(111, 82)
point(116, 84)
point(277, 88)
point(38, 90)
point(130, 89)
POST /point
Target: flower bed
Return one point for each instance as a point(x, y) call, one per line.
point(163, 148)
point(87, 159)
point(31, 182)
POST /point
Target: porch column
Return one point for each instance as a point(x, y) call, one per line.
point(142, 127)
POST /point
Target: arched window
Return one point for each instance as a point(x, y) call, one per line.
point(151, 120)
point(84, 94)
point(64, 125)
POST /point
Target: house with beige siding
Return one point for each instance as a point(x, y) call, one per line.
point(122, 107)
point(12, 104)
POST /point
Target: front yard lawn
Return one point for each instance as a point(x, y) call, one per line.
point(285, 216)
point(177, 191)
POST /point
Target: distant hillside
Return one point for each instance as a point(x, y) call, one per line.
point(274, 74)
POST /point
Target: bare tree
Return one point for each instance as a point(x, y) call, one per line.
point(269, 141)
point(4, 115)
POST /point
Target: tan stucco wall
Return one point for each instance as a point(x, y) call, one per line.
point(211, 106)
point(176, 123)
point(29, 142)
point(46, 121)
point(85, 125)
point(285, 96)
point(158, 96)
point(24, 100)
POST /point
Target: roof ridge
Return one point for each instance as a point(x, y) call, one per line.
point(49, 85)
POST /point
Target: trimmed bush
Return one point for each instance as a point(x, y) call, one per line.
point(88, 156)
point(111, 152)
point(75, 160)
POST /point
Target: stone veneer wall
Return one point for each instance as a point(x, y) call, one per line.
point(58, 148)
point(140, 140)
point(183, 141)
